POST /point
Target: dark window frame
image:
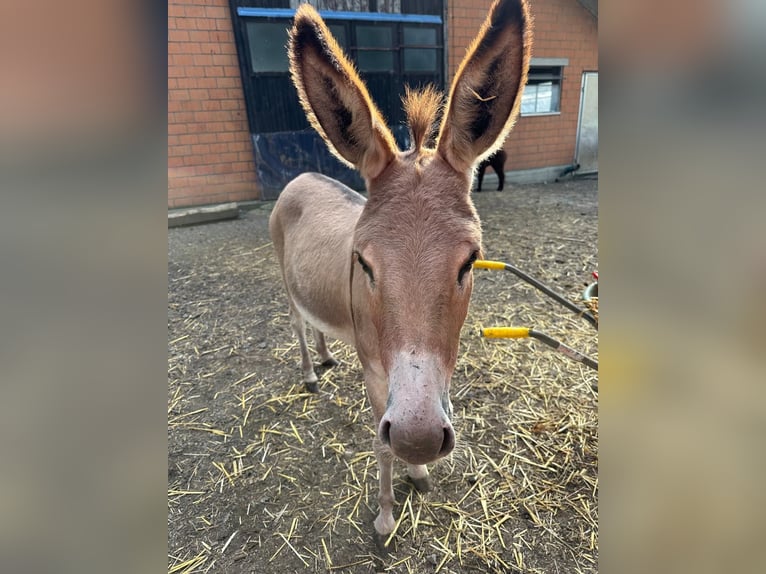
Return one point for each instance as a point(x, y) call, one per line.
point(287, 114)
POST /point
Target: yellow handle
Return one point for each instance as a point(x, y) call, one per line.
point(505, 332)
point(485, 264)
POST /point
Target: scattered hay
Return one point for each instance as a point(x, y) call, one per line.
point(592, 305)
point(265, 477)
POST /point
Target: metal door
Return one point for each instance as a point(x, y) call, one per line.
point(586, 153)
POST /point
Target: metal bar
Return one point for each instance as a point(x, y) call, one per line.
point(524, 332)
point(486, 264)
point(564, 349)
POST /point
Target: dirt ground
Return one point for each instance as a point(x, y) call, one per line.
point(265, 478)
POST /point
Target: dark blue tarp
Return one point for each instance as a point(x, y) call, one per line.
point(282, 156)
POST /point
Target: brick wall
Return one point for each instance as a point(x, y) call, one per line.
point(562, 29)
point(210, 155)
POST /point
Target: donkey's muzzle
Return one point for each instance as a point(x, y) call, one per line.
point(416, 423)
point(417, 439)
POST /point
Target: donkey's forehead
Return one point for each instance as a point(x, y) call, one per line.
point(411, 220)
point(419, 195)
point(419, 176)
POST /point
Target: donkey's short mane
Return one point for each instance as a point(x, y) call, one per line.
point(421, 108)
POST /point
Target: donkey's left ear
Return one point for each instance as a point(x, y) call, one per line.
point(335, 99)
point(486, 93)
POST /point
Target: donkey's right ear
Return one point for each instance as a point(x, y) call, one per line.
point(335, 99)
point(486, 93)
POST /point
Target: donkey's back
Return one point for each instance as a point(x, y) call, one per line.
point(312, 227)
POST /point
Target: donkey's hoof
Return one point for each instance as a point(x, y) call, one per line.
point(331, 363)
point(423, 484)
point(312, 387)
point(380, 544)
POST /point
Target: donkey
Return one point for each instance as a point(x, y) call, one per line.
point(497, 162)
point(392, 275)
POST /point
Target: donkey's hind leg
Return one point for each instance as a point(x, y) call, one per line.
point(419, 476)
point(307, 366)
point(324, 353)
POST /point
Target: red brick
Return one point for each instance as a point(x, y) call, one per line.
point(222, 36)
point(174, 128)
point(211, 105)
point(227, 82)
point(177, 35)
point(203, 60)
point(214, 47)
point(199, 36)
point(190, 105)
point(194, 11)
point(224, 60)
point(216, 12)
point(175, 161)
point(180, 150)
point(212, 71)
point(189, 139)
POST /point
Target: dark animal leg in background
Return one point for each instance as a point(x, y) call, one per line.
point(498, 164)
point(497, 161)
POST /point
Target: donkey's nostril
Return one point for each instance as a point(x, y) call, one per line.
point(448, 442)
point(385, 432)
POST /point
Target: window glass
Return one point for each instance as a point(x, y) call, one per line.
point(374, 37)
point(542, 94)
point(419, 36)
point(375, 61)
point(419, 60)
point(529, 100)
point(374, 45)
point(267, 42)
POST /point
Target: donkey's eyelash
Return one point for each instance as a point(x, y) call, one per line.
point(366, 268)
point(467, 266)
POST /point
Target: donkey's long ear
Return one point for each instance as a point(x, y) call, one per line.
point(486, 93)
point(335, 99)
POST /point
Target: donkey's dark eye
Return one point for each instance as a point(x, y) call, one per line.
point(366, 268)
point(467, 266)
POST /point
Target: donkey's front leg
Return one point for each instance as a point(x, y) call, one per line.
point(384, 523)
point(418, 474)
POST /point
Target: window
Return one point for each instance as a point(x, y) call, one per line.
point(267, 46)
point(542, 94)
point(374, 48)
point(419, 49)
point(393, 43)
point(390, 50)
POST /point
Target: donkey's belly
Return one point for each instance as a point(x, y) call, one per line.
point(317, 280)
point(317, 217)
point(343, 333)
